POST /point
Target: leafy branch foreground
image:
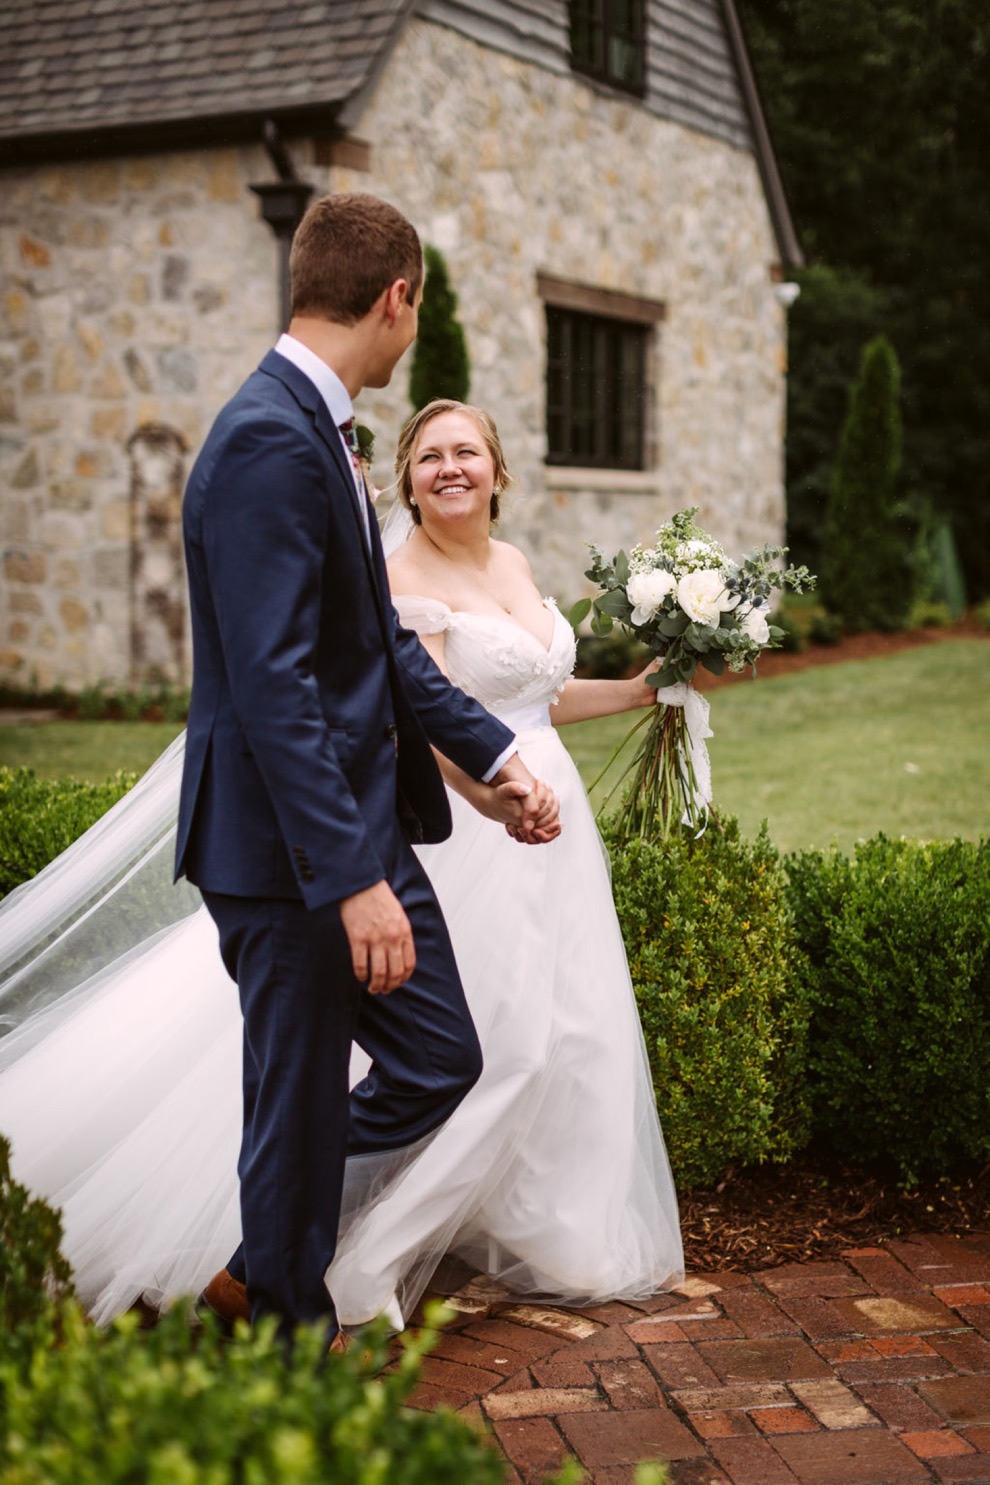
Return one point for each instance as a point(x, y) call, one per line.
point(178, 1403)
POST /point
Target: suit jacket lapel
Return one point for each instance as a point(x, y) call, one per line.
point(308, 396)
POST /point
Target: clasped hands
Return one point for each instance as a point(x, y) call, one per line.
point(526, 806)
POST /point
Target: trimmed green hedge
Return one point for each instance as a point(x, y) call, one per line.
point(717, 975)
point(897, 945)
point(40, 817)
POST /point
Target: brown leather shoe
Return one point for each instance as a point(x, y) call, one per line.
point(227, 1297)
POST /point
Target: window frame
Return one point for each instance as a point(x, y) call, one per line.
point(595, 32)
point(616, 332)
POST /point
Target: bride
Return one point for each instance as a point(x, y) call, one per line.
point(120, 1071)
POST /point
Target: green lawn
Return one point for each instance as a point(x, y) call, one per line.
point(841, 752)
point(84, 750)
point(832, 753)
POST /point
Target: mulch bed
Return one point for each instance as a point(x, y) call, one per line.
point(812, 1209)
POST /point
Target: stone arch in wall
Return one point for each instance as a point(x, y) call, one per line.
point(158, 646)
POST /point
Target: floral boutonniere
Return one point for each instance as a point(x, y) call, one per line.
point(366, 444)
point(366, 453)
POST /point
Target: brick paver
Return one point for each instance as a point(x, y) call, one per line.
point(872, 1369)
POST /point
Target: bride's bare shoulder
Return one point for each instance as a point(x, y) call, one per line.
point(512, 558)
point(409, 576)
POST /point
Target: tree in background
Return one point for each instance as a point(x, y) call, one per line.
point(867, 574)
point(440, 366)
point(837, 312)
point(879, 115)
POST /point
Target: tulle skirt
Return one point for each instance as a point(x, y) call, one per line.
point(122, 1100)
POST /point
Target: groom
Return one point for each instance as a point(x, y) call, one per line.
point(309, 768)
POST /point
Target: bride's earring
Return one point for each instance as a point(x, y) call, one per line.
point(412, 500)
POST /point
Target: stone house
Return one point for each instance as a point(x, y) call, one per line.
point(597, 174)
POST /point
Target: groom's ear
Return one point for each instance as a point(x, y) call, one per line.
point(394, 297)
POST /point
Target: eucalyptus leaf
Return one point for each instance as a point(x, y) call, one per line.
point(601, 625)
point(621, 568)
point(578, 612)
point(615, 603)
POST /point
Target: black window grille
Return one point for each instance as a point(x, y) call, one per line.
point(596, 390)
point(608, 41)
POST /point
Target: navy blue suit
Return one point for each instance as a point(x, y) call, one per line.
point(308, 771)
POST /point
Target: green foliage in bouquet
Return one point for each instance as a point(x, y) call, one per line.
point(897, 957)
point(716, 970)
point(40, 817)
point(34, 1276)
point(868, 575)
point(690, 605)
point(440, 366)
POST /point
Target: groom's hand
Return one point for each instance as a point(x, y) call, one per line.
point(535, 807)
point(380, 936)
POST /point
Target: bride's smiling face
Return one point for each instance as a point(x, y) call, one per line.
point(452, 470)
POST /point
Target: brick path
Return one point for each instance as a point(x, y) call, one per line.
point(873, 1369)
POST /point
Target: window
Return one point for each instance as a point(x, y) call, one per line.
point(608, 41)
point(599, 346)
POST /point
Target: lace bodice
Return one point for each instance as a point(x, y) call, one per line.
point(493, 658)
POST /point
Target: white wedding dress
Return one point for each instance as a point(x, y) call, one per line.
point(120, 1067)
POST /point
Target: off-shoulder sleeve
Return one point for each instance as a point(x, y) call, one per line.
point(424, 615)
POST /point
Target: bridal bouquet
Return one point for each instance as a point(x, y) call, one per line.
point(690, 605)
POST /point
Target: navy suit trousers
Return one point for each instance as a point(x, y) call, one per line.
point(302, 1009)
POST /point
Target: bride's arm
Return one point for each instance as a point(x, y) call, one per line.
point(580, 700)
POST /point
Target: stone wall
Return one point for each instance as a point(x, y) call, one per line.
point(138, 293)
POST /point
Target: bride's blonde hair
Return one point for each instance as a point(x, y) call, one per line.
point(409, 438)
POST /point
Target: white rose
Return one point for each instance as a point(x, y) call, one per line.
point(703, 596)
point(646, 591)
point(753, 623)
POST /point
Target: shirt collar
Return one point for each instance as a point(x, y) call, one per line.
point(326, 381)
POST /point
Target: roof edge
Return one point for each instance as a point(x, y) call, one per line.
point(766, 159)
point(352, 107)
point(160, 135)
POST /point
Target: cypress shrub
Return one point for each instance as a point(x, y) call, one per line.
point(717, 976)
point(897, 949)
point(440, 365)
point(867, 569)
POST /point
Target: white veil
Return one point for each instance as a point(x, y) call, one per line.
point(397, 527)
point(108, 895)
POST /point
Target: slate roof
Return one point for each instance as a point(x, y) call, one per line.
point(79, 70)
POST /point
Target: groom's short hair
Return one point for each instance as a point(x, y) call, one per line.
point(346, 251)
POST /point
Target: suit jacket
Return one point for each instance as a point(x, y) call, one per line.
point(312, 709)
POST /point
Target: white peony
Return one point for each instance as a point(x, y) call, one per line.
point(703, 596)
point(646, 591)
point(753, 623)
